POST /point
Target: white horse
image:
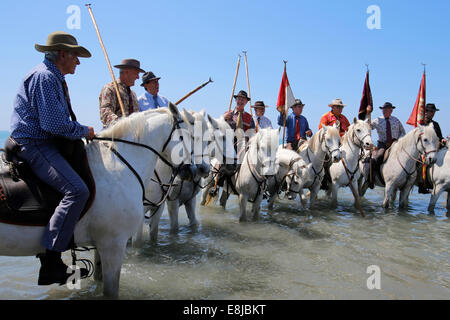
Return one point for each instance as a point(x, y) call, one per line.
point(440, 177)
point(221, 152)
point(291, 170)
point(354, 142)
point(183, 192)
point(324, 142)
point(116, 211)
point(399, 170)
point(257, 165)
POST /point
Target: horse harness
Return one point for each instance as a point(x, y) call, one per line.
point(175, 170)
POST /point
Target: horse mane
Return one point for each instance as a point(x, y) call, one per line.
point(346, 137)
point(133, 124)
point(404, 141)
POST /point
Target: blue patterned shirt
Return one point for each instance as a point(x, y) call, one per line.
point(40, 107)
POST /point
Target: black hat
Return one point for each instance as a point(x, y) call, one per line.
point(387, 105)
point(297, 102)
point(431, 107)
point(243, 94)
point(147, 77)
point(259, 104)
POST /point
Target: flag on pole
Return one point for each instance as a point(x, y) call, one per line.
point(366, 99)
point(285, 96)
point(418, 114)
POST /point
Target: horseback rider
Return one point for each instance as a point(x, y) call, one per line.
point(389, 129)
point(260, 120)
point(110, 110)
point(42, 112)
point(430, 110)
point(335, 116)
point(239, 118)
point(297, 126)
point(151, 99)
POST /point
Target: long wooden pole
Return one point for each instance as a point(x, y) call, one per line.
point(248, 83)
point(285, 102)
point(370, 124)
point(355, 195)
point(234, 83)
point(193, 91)
point(122, 108)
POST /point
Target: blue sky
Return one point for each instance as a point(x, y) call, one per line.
point(327, 44)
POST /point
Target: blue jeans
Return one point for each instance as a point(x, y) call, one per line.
point(48, 164)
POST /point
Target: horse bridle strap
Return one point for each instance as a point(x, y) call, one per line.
point(138, 145)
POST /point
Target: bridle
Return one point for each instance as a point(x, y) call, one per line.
point(175, 169)
point(423, 152)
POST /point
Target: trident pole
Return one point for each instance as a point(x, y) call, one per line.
point(122, 108)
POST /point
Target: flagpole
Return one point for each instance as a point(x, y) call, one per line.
point(370, 131)
point(285, 101)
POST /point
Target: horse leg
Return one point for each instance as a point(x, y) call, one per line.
point(173, 208)
point(205, 193)
point(404, 194)
point(138, 239)
point(224, 198)
point(257, 207)
point(111, 255)
point(363, 185)
point(190, 211)
point(98, 276)
point(154, 222)
point(434, 197)
point(334, 193)
point(271, 200)
point(389, 192)
point(313, 195)
point(243, 207)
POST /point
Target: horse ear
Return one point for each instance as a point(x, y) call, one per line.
point(355, 120)
point(188, 116)
point(203, 112)
point(174, 110)
point(324, 127)
point(213, 122)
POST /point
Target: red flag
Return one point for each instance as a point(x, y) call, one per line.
point(366, 99)
point(418, 114)
point(285, 95)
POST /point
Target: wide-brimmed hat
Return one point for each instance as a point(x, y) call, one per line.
point(147, 77)
point(259, 104)
point(243, 94)
point(298, 102)
point(431, 107)
point(387, 105)
point(129, 64)
point(60, 40)
point(337, 102)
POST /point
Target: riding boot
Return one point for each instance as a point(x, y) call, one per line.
point(53, 269)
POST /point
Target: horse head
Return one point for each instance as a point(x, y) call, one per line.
point(198, 128)
point(221, 139)
point(266, 147)
point(330, 141)
point(299, 175)
point(360, 134)
point(429, 143)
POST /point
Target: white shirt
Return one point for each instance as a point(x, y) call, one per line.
point(147, 101)
point(397, 129)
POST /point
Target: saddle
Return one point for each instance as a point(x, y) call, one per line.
point(24, 198)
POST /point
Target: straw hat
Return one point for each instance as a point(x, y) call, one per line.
point(336, 102)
